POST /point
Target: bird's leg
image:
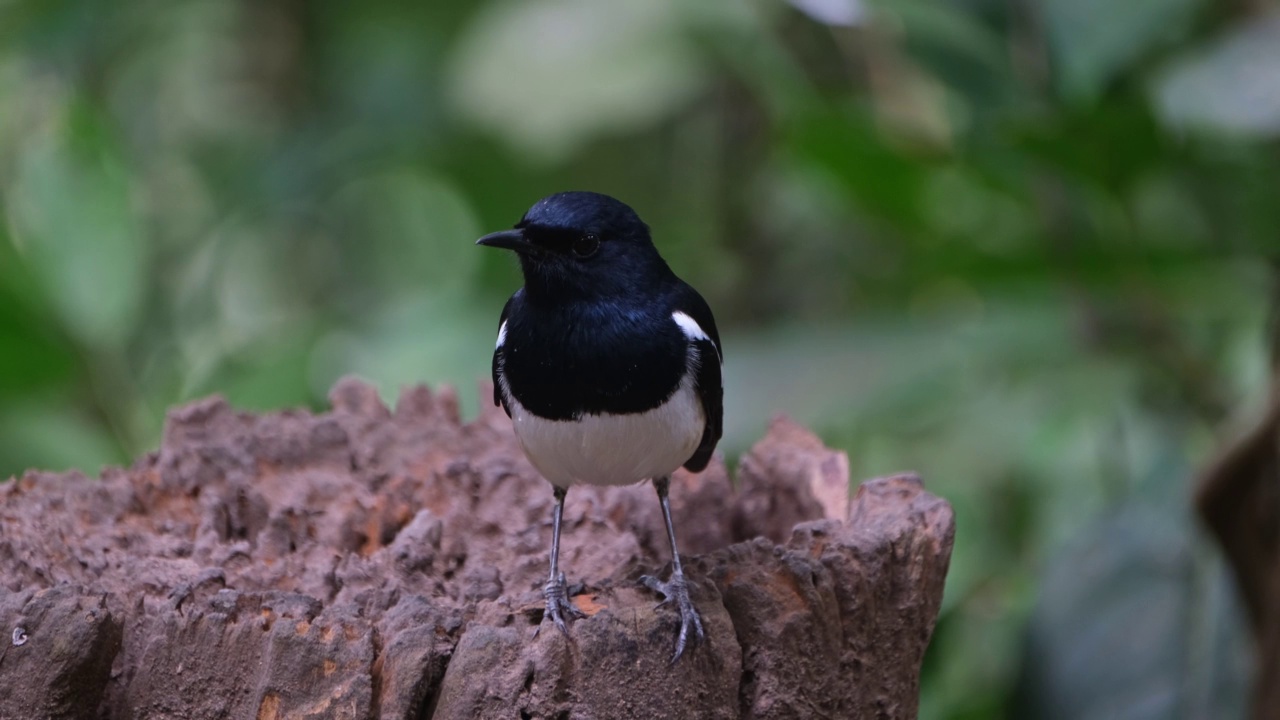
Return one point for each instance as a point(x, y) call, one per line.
point(677, 588)
point(558, 605)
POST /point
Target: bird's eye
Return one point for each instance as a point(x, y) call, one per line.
point(586, 245)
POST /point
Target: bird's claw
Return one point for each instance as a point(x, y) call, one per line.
point(677, 590)
point(558, 605)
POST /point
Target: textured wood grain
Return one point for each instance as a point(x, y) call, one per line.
point(369, 562)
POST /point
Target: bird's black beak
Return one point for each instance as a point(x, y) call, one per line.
point(505, 239)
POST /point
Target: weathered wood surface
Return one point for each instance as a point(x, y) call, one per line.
point(369, 563)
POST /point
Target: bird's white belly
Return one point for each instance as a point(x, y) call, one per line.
point(613, 449)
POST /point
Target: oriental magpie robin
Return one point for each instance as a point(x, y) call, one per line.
point(609, 366)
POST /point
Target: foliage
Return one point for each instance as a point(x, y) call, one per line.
point(1019, 246)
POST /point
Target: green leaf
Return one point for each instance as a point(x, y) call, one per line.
point(1112, 146)
point(34, 358)
point(884, 182)
point(74, 224)
point(595, 67)
point(1094, 41)
point(50, 435)
point(272, 378)
point(36, 355)
point(956, 47)
point(415, 226)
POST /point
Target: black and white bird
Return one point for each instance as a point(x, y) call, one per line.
point(609, 366)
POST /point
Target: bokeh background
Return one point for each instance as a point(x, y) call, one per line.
point(1020, 246)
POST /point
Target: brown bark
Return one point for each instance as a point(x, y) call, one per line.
point(374, 563)
point(1239, 499)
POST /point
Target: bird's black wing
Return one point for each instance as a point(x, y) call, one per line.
point(707, 380)
point(498, 398)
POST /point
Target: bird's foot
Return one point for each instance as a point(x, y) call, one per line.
point(676, 590)
point(558, 605)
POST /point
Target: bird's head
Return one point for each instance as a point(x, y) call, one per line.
point(582, 244)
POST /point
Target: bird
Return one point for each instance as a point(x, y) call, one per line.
point(609, 366)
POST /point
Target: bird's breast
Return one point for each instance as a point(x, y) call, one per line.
point(613, 449)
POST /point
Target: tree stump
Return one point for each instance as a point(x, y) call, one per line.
point(366, 563)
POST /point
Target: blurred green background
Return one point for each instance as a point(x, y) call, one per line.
point(1020, 246)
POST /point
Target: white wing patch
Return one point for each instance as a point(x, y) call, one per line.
point(689, 326)
point(502, 335)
